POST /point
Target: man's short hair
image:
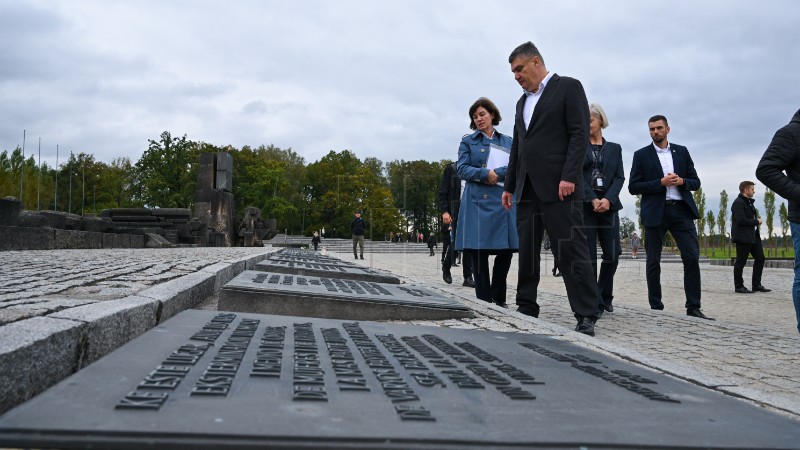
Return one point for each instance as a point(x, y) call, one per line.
point(658, 117)
point(744, 185)
point(526, 50)
point(490, 107)
point(597, 111)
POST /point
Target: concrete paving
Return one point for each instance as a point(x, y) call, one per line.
point(62, 309)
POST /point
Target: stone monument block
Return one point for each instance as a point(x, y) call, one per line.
point(295, 295)
point(232, 380)
point(224, 172)
point(9, 211)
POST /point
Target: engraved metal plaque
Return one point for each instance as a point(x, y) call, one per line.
point(231, 380)
point(334, 298)
point(307, 256)
point(322, 269)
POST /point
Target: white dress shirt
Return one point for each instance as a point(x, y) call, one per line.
point(665, 156)
point(532, 98)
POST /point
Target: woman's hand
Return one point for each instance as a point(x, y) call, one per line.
point(491, 180)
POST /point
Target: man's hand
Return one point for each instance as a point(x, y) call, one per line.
point(446, 218)
point(507, 200)
point(672, 179)
point(492, 178)
point(565, 189)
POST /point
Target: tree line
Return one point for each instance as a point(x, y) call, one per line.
point(395, 196)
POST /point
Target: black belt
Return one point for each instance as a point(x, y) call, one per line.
point(672, 202)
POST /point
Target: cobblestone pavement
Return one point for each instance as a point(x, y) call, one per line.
point(750, 351)
point(38, 283)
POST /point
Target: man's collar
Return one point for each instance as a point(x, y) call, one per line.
point(661, 150)
point(542, 84)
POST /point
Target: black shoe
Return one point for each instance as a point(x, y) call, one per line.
point(532, 311)
point(447, 278)
point(743, 290)
point(502, 305)
point(356, 256)
point(554, 271)
point(697, 313)
point(362, 257)
point(585, 326)
point(760, 288)
point(609, 308)
point(455, 265)
point(468, 282)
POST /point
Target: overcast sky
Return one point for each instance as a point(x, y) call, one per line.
point(391, 80)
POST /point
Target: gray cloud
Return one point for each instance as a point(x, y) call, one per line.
point(390, 80)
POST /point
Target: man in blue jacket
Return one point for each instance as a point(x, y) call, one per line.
point(664, 175)
point(779, 170)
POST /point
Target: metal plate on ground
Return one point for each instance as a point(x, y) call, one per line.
point(308, 256)
point(334, 298)
point(230, 380)
point(322, 269)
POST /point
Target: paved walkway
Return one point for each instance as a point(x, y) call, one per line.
point(752, 350)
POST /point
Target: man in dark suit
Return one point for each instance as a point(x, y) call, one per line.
point(744, 233)
point(664, 175)
point(603, 177)
point(545, 172)
point(449, 200)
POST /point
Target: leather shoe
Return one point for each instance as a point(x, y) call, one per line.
point(743, 290)
point(585, 326)
point(532, 311)
point(502, 305)
point(468, 282)
point(697, 313)
point(447, 278)
point(760, 288)
point(609, 308)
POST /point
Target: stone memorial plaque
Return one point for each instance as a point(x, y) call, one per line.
point(334, 298)
point(230, 380)
point(322, 269)
point(306, 256)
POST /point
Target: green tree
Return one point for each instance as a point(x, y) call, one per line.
point(166, 174)
point(769, 208)
point(711, 222)
point(700, 200)
point(783, 213)
point(415, 185)
point(722, 216)
point(626, 227)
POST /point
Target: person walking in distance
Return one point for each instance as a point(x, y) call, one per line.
point(779, 170)
point(545, 174)
point(745, 225)
point(635, 244)
point(357, 227)
point(664, 175)
point(603, 177)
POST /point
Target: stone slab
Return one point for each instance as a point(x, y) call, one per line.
point(228, 380)
point(333, 298)
point(321, 269)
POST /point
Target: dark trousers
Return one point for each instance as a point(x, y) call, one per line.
point(564, 224)
point(742, 251)
point(448, 253)
point(678, 221)
point(605, 228)
point(494, 290)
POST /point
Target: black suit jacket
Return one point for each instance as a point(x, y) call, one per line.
point(613, 174)
point(553, 147)
point(449, 198)
point(645, 180)
point(744, 222)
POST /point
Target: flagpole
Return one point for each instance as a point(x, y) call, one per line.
point(55, 201)
point(39, 180)
point(22, 169)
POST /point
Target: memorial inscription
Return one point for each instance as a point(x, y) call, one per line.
point(325, 269)
point(324, 297)
point(219, 381)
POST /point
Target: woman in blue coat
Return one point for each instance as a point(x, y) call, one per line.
point(485, 227)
